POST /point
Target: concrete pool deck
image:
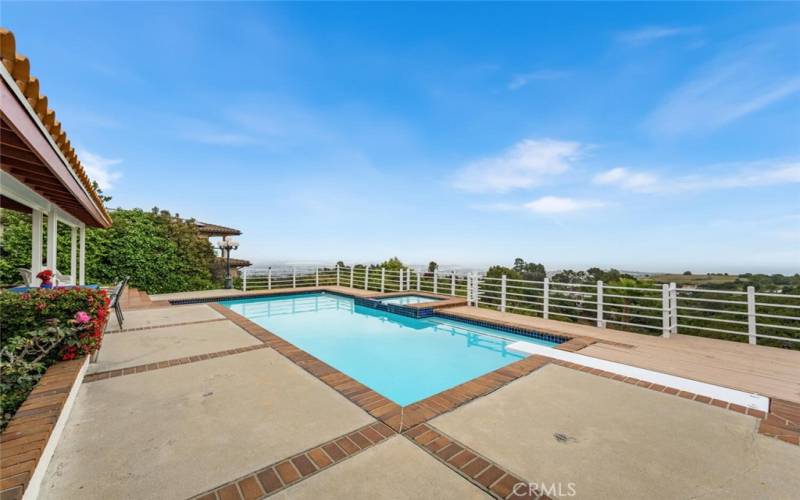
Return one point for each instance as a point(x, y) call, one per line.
point(621, 441)
point(260, 420)
point(176, 432)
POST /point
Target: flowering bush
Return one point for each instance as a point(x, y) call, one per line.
point(84, 307)
point(43, 326)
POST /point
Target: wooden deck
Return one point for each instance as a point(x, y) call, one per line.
point(765, 370)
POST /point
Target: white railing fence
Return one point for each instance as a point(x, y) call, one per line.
point(662, 310)
point(372, 278)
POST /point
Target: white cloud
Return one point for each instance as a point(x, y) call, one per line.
point(747, 78)
point(649, 34)
point(526, 164)
point(98, 168)
point(558, 205)
point(521, 80)
point(626, 178)
point(749, 175)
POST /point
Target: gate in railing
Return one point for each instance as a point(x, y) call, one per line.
point(664, 310)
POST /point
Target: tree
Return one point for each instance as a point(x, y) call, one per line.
point(687, 273)
point(432, 266)
point(530, 270)
point(393, 263)
point(499, 271)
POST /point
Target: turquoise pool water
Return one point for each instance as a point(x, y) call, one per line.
point(404, 359)
point(408, 299)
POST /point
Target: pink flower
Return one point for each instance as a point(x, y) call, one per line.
point(81, 317)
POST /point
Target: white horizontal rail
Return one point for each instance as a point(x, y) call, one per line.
point(669, 309)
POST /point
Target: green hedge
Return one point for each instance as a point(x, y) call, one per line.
point(159, 252)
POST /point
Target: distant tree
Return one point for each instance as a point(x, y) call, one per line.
point(340, 264)
point(687, 273)
point(393, 263)
point(529, 270)
point(597, 274)
point(432, 266)
point(499, 271)
point(570, 276)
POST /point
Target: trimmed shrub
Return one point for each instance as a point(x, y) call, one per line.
point(41, 327)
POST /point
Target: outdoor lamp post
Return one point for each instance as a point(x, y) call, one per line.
point(226, 245)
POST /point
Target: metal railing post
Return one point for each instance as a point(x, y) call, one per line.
point(408, 279)
point(600, 321)
point(269, 279)
point(294, 277)
point(418, 280)
point(665, 311)
point(453, 283)
point(476, 293)
point(503, 293)
point(673, 307)
point(435, 281)
point(338, 275)
point(244, 280)
point(316, 277)
point(400, 279)
point(469, 289)
point(366, 277)
point(351, 276)
point(546, 298)
point(383, 279)
point(751, 315)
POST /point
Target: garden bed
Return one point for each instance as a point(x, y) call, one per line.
point(30, 438)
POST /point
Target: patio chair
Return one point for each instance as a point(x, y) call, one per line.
point(27, 276)
point(63, 279)
point(116, 294)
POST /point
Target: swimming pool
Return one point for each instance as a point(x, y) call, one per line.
point(404, 300)
point(404, 359)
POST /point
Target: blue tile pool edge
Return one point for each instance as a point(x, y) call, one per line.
point(525, 332)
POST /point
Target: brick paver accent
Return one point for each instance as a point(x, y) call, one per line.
point(279, 475)
point(152, 327)
point(168, 363)
point(26, 436)
point(489, 476)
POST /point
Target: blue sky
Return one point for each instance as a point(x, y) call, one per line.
point(658, 137)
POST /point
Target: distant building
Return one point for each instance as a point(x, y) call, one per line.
point(210, 231)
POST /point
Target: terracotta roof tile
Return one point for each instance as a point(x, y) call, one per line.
point(19, 68)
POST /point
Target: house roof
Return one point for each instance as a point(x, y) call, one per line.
point(240, 263)
point(210, 230)
point(18, 149)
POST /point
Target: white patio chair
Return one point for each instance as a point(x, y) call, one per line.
point(63, 279)
point(27, 276)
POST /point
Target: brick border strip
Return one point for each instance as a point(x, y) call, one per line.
point(154, 327)
point(27, 438)
point(158, 365)
point(781, 422)
point(487, 475)
point(289, 471)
